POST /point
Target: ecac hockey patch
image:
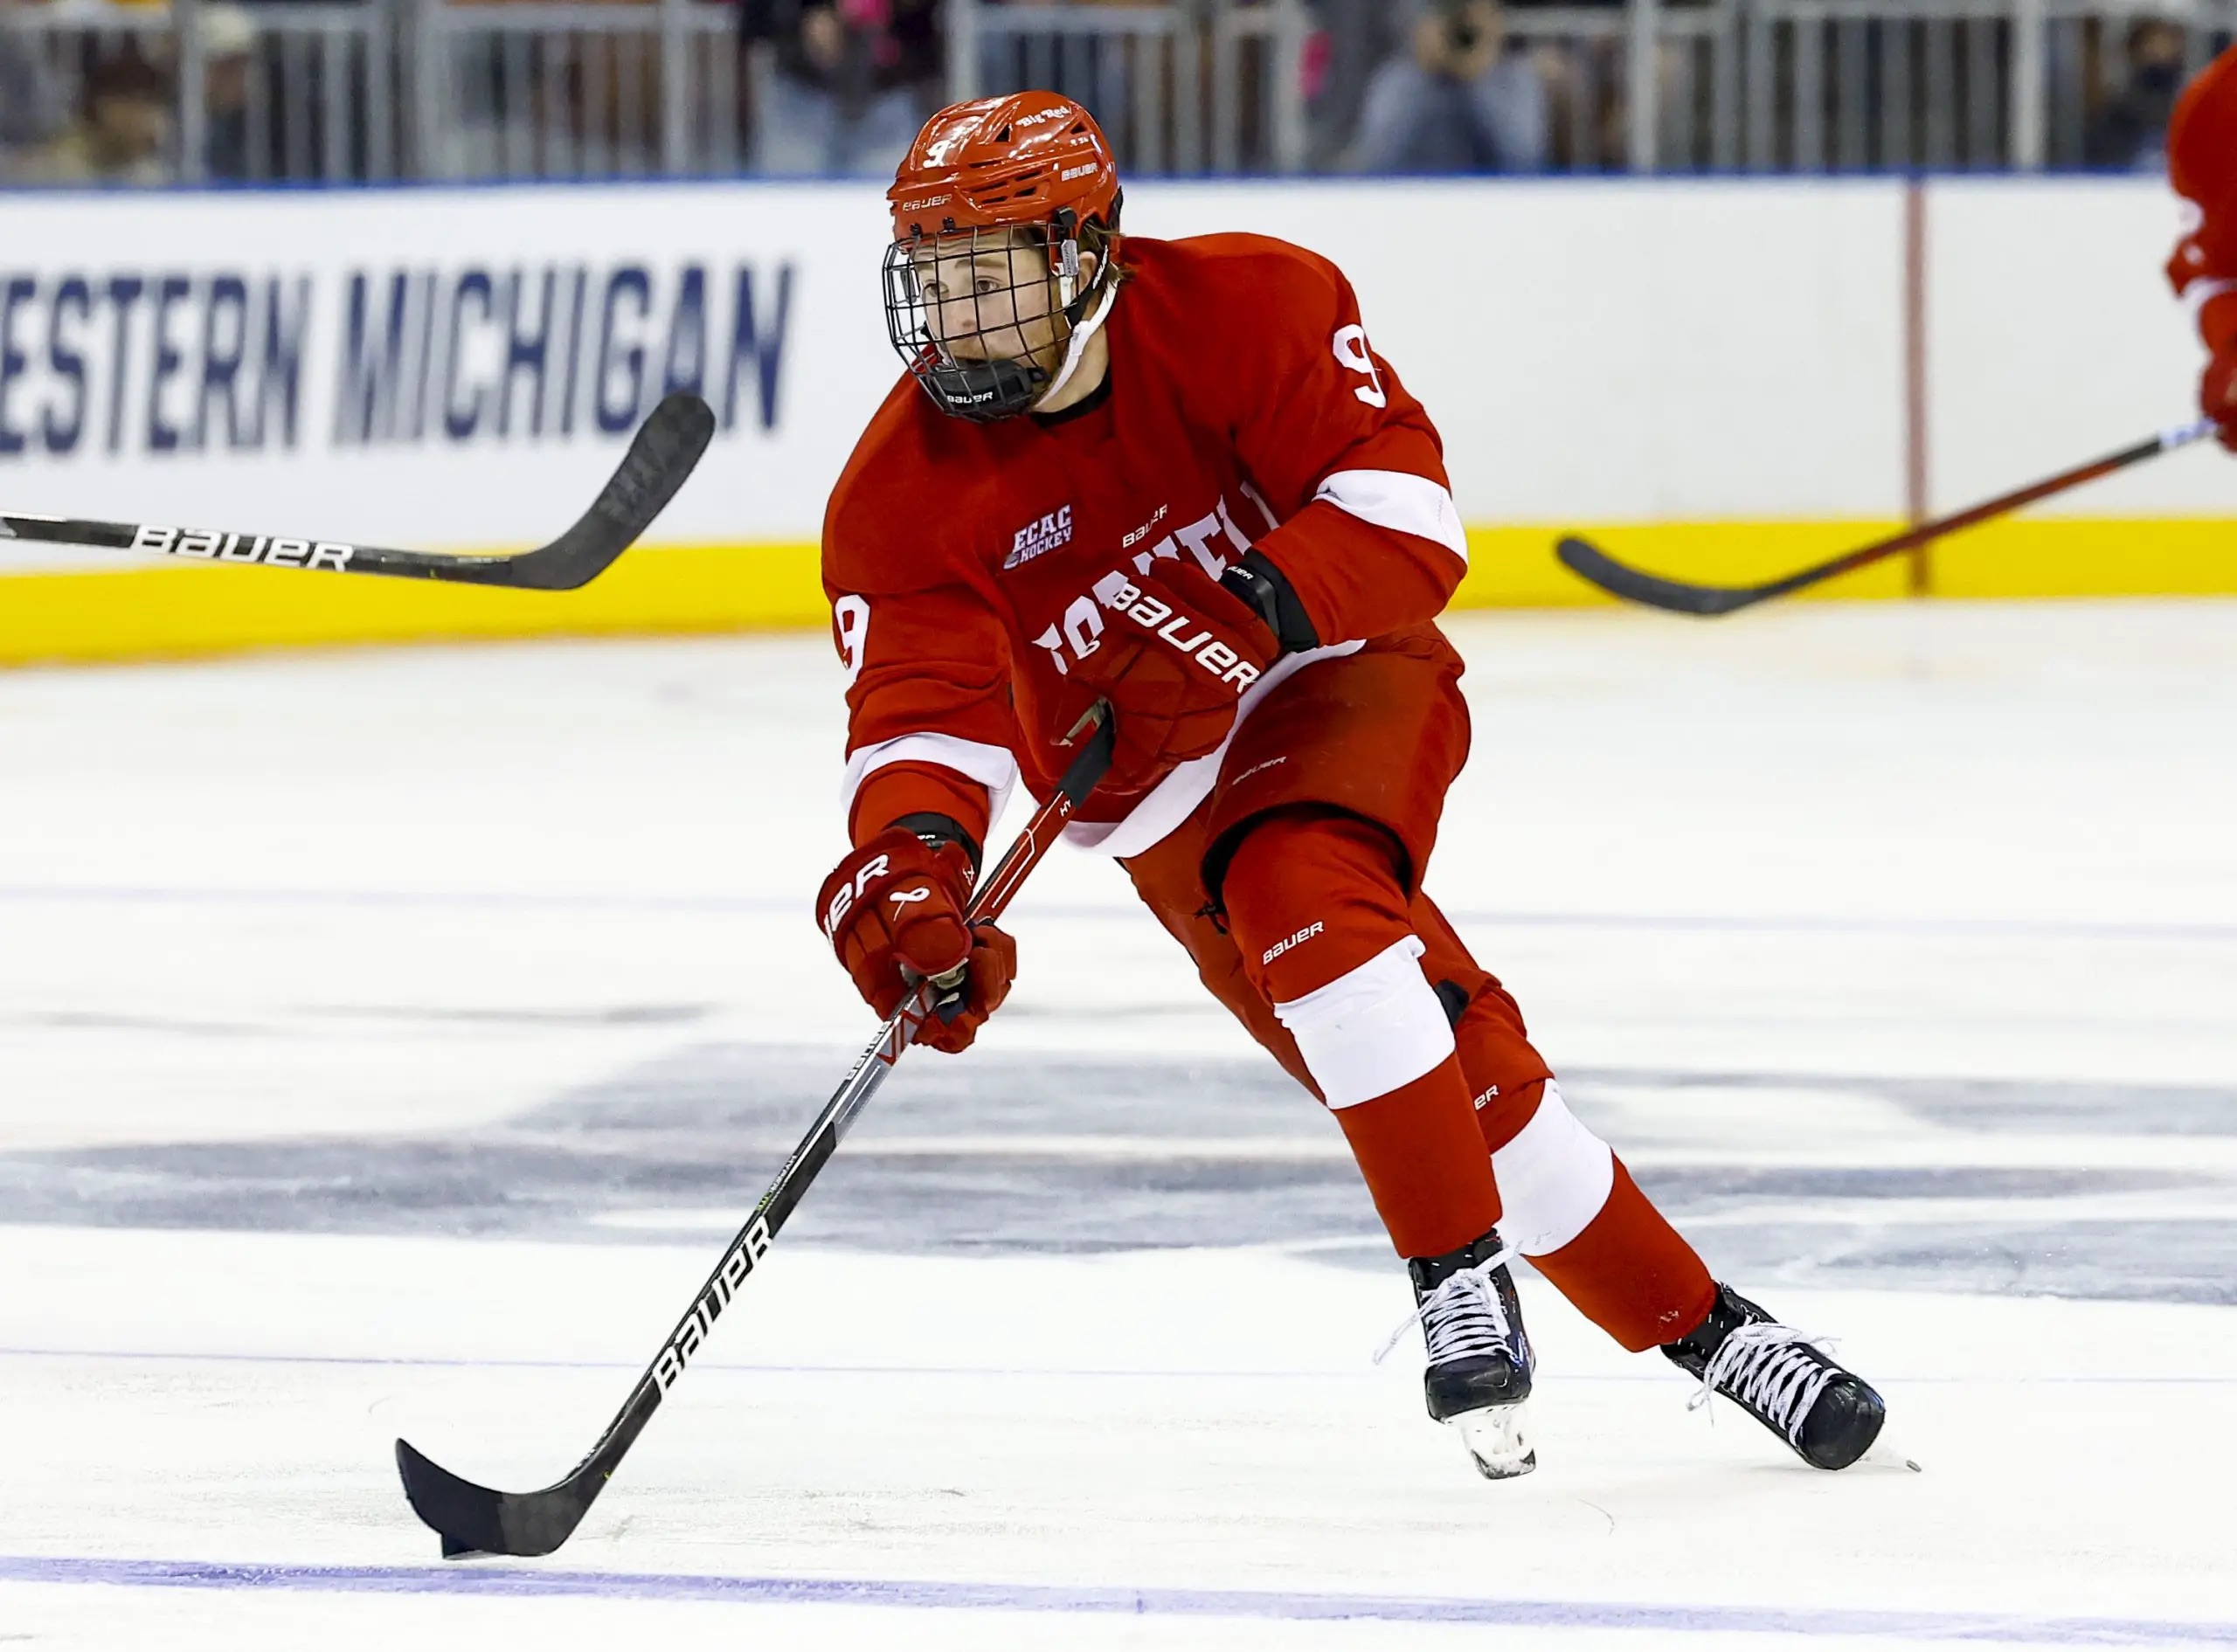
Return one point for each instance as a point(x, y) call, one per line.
point(1045, 533)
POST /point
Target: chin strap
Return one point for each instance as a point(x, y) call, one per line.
point(1081, 333)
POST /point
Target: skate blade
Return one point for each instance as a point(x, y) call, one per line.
point(1887, 1452)
point(1498, 1437)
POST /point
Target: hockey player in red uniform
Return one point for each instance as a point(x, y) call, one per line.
point(1176, 475)
point(2202, 163)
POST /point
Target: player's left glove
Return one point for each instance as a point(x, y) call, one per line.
point(2217, 314)
point(893, 911)
point(1174, 659)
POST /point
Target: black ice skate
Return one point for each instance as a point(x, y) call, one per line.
point(1479, 1375)
point(1829, 1415)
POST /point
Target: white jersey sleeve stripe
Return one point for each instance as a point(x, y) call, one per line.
point(2199, 294)
point(991, 766)
point(1399, 500)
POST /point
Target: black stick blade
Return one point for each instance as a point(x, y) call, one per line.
point(1587, 562)
point(661, 459)
point(473, 1519)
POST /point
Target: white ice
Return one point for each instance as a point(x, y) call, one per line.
point(405, 894)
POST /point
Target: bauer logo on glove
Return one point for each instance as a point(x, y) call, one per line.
point(893, 911)
point(850, 892)
point(1115, 590)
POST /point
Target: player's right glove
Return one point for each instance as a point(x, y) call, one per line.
point(893, 912)
point(1175, 654)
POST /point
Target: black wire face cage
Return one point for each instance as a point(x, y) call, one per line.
point(982, 317)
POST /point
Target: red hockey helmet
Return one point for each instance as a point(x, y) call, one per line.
point(984, 294)
point(1013, 161)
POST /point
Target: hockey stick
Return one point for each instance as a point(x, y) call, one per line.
point(660, 457)
point(1587, 561)
point(473, 1519)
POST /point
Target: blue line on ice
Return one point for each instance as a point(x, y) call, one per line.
point(925, 1594)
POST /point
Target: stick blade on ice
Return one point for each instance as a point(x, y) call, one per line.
point(472, 1519)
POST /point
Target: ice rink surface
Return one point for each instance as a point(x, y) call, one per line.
point(389, 1042)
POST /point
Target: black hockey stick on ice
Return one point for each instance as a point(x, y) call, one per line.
point(1587, 561)
point(473, 1519)
point(660, 457)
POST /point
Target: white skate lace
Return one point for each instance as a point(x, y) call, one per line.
point(1462, 1316)
point(1774, 1369)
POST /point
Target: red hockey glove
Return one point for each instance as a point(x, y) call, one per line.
point(893, 912)
point(1174, 659)
point(2218, 394)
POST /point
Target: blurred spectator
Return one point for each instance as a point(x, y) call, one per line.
point(32, 113)
point(228, 48)
point(1585, 79)
point(121, 129)
point(126, 136)
point(123, 133)
point(851, 82)
point(1349, 38)
point(2131, 130)
point(1452, 99)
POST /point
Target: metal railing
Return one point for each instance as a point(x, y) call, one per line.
point(567, 90)
point(300, 91)
point(1257, 87)
point(315, 95)
point(350, 90)
point(1140, 68)
point(1797, 85)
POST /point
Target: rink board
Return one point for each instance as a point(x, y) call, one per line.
point(1719, 379)
point(157, 613)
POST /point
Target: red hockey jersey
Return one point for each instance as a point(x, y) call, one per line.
point(962, 561)
point(2202, 164)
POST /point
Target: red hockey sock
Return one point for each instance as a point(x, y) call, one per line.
point(1317, 914)
point(1424, 1163)
point(1631, 1273)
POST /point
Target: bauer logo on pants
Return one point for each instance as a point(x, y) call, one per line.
point(1299, 939)
point(216, 546)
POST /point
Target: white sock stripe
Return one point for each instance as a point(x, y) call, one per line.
point(1371, 1029)
point(1555, 1177)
